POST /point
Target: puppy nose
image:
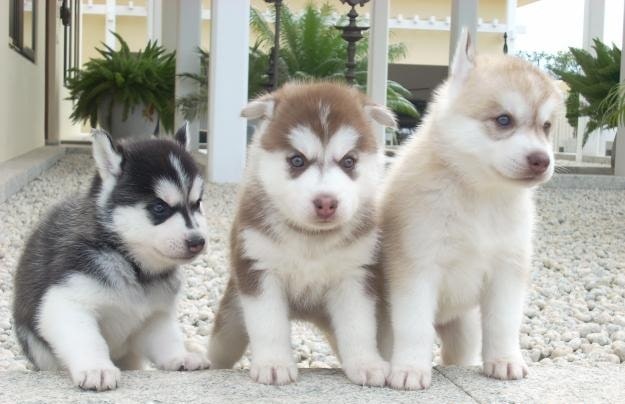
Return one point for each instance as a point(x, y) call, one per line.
point(195, 244)
point(325, 206)
point(538, 162)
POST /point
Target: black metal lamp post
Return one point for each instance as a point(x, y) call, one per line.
point(505, 43)
point(352, 34)
point(66, 19)
point(272, 68)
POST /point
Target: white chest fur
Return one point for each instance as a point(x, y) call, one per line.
point(121, 311)
point(308, 266)
point(464, 239)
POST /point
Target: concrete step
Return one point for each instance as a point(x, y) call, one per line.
point(553, 384)
point(19, 171)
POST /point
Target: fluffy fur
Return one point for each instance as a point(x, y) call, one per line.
point(96, 286)
point(305, 234)
point(457, 218)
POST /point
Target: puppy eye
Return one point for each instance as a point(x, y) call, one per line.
point(504, 120)
point(348, 163)
point(547, 126)
point(160, 208)
point(196, 205)
point(297, 161)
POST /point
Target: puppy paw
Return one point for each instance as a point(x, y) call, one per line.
point(367, 372)
point(106, 378)
point(505, 369)
point(273, 373)
point(410, 378)
point(189, 361)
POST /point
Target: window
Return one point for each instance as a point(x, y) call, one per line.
point(23, 26)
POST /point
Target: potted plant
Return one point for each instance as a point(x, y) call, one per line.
point(125, 92)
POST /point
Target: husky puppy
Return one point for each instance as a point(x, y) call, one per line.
point(96, 286)
point(457, 215)
point(305, 234)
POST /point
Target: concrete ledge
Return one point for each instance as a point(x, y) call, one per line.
point(584, 181)
point(587, 170)
point(602, 383)
point(555, 384)
point(585, 159)
point(19, 171)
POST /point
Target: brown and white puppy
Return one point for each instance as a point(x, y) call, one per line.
point(457, 218)
point(305, 234)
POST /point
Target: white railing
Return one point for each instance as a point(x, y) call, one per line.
point(415, 22)
point(565, 141)
point(563, 136)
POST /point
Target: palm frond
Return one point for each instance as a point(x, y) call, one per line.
point(597, 82)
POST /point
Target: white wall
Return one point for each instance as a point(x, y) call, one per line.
point(22, 90)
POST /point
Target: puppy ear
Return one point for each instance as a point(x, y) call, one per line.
point(381, 115)
point(108, 158)
point(259, 108)
point(182, 135)
point(464, 59)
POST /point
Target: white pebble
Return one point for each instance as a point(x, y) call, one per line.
point(618, 347)
point(599, 338)
point(589, 328)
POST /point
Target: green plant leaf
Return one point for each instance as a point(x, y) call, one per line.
point(145, 78)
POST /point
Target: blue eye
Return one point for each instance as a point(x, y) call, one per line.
point(504, 120)
point(348, 163)
point(297, 161)
point(159, 208)
point(547, 126)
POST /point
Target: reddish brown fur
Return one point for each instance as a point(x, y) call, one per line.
point(299, 104)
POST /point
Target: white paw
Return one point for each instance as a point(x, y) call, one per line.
point(189, 361)
point(97, 379)
point(273, 373)
point(410, 377)
point(367, 372)
point(505, 369)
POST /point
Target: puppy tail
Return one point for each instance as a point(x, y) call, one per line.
point(229, 338)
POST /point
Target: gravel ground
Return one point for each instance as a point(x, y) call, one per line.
point(575, 310)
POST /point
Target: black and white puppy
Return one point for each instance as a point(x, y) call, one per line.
point(96, 286)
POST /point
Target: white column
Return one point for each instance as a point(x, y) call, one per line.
point(154, 10)
point(109, 24)
point(511, 6)
point(463, 14)
point(579, 145)
point(187, 59)
point(377, 74)
point(169, 23)
point(227, 130)
point(594, 15)
point(619, 157)
point(162, 22)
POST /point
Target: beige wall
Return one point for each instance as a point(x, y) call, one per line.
point(22, 94)
point(423, 47)
point(134, 30)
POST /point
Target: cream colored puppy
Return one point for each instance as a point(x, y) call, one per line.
point(457, 218)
